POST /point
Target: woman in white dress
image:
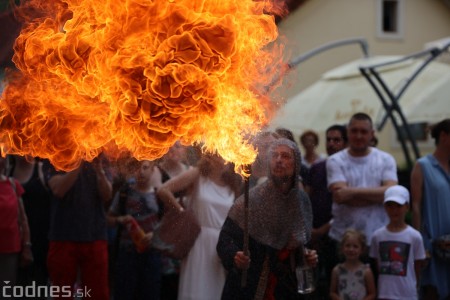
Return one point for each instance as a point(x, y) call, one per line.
point(211, 189)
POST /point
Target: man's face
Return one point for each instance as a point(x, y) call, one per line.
point(282, 162)
point(360, 134)
point(335, 142)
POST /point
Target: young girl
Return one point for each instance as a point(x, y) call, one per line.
point(352, 279)
point(138, 267)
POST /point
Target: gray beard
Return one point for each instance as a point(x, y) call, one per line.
point(281, 181)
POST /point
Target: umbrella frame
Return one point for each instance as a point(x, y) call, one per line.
point(391, 102)
point(370, 72)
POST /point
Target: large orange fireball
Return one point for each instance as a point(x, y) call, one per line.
point(137, 75)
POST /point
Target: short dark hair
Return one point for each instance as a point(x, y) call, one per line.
point(341, 128)
point(360, 116)
point(286, 133)
point(309, 133)
point(436, 129)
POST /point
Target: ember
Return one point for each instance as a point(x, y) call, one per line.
point(137, 75)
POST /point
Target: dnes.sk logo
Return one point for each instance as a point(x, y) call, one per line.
point(34, 291)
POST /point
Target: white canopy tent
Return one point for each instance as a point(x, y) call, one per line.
point(404, 89)
point(344, 90)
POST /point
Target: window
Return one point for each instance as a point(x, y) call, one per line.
point(420, 133)
point(390, 18)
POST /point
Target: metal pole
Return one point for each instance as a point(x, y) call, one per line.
point(395, 99)
point(394, 121)
point(301, 58)
point(397, 109)
point(246, 237)
point(361, 41)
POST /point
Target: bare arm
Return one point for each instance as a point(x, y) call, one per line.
point(114, 219)
point(358, 196)
point(181, 182)
point(301, 186)
point(60, 184)
point(308, 189)
point(418, 266)
point(334, 293)
point(103, 184)
point(416, 195)
point(156, 179)
point(111, 219)
point(369, 280)
point(41, 173)
point(317, 233)
point(25, 229)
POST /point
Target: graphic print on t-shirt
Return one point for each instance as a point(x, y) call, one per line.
point(394, 258)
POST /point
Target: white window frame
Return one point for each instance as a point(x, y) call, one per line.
point(400, 20)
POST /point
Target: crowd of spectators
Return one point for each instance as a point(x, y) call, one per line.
point(90, 230)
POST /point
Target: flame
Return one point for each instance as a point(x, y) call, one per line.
point(138, 75)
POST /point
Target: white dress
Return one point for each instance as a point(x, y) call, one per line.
point(202, 275)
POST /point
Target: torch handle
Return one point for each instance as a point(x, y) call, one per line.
point(245, 244)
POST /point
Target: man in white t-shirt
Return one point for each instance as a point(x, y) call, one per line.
point(357, 177)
